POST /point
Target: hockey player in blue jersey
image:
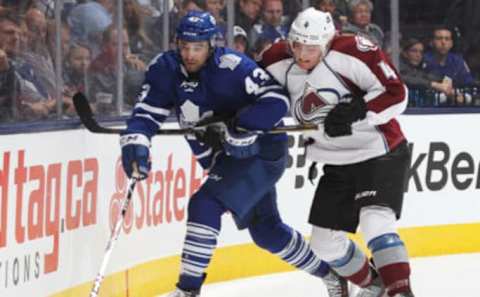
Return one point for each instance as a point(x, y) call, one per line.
point(200, 81)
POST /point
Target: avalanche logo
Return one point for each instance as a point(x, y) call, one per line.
point(364, 44)
point(315, 104)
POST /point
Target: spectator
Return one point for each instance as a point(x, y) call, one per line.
point(215, 8)
point(240, 40)
point(291, 9)
point(247, 13)
point(360, 13)
point(412, 69)
point(36, 53)
point(331, 7)
point(473, 60)
point(51, 39)
point(261, 44)
point(20, 98)
point(87, 22)
point(77, 62)
point(273, 25)
point(18, 7)
point(103, 73)
point(442, 62)
point(179, 10)
point(37, 24)
point(140, 43)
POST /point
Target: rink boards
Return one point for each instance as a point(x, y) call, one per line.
point(61, 190)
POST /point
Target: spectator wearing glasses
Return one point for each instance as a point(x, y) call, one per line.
point(412, 69)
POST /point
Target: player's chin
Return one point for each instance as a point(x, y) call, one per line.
point(192, 67)
point(305, 65)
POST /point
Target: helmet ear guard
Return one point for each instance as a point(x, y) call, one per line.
point(313, 27)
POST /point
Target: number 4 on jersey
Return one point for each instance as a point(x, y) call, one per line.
point(387, 70)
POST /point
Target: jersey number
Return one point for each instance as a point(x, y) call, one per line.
point(144, 92)
point(387, 70)
point(251, 86)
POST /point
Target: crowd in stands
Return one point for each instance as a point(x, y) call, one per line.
point(439, 59)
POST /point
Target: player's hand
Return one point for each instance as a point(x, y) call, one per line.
point(212, 136)
point(240, 144)
point(338, 121)
point(135, 155)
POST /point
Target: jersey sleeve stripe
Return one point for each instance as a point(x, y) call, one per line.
point(204, 154)
point(152, 109)
point(396, 95)
point(148, 117)
point(387, 113)
point(377, 96)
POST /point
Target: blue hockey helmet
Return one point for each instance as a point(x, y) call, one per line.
point(197, 26)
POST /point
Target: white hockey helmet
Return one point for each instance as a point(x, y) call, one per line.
point(313, 27)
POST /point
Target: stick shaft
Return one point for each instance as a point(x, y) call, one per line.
point(86, 117)
point(113, 239)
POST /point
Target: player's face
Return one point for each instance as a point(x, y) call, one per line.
point(306, 56)
point(194, 54)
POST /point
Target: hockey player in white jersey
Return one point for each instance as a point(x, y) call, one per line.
point(348, 86)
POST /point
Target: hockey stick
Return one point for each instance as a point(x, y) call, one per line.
point(86, 117)
point(113, 237)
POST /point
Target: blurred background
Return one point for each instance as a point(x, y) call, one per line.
point(49, 50)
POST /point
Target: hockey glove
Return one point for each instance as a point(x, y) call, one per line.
point(212, 136)
point(135, 150)
point(338, 121)
point(240, 145)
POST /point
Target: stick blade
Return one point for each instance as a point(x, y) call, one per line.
point(82, 107)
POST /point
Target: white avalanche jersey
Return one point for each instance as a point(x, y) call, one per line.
point(353, 67)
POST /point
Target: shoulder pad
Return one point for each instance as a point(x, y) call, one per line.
point(229, 61)
point(354, 45)
point(275, 53)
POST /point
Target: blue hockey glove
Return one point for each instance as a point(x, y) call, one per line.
point(135, 150)
point(339, 120)
point(240, 145)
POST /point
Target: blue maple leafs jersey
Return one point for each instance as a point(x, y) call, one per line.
point(229, 85)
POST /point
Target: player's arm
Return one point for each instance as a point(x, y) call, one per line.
point(378, 92)
point(151, 110)
point(386, 96)
point(270, 102)
point(155, 100)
